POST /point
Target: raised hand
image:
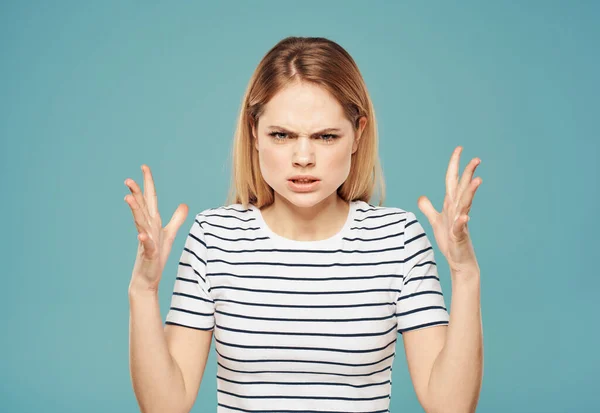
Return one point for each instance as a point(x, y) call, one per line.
point(155, 242)
point(450, 226)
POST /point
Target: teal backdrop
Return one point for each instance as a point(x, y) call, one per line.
point(92, 90)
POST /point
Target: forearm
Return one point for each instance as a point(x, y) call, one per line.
point(456, 375)
point(157, 381)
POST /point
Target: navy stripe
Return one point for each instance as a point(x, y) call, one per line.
point(335, 350)
point(408, 224)
point(185, 264)
point(383, 290)
point(232, 228)
point(308, 320)
point(418, 253)
point(416, 310)
point(421, 235)
point(290, 251)
point(352, 399)
point(229, 216)
point(380, 216)
point(194, 254)
point(237, 239)
point(304, 383)
point(335, 363)
point(187, 280)
point(183, 325)
point(328, 373)
point(222, 208)
point(297, 411)
point(374, 239)
point(306, 334)
point(421, 264)
point(370, 209)
point(381, 226)
point(419, 293)
point(433, 323)
point(193, 297)
point(286, 264)
point(413, 279)
point(269, 277)
point(303, 306)
point(191, 312)
point(197, 239)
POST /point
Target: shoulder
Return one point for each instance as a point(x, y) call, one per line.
point(225, 214)
point(365, 210)
point(394, 219)
point(382, 223)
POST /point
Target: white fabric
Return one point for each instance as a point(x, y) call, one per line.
point(306, 325)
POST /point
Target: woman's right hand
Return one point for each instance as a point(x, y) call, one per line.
point(155, 242)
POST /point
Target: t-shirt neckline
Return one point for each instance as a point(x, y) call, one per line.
point(327, 242)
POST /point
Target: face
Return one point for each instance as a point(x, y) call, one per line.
point(303, 131)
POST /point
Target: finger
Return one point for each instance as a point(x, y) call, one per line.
point(427, 208)
point(468, 195)
point(452, 173)
point(139, 198)
point(150, 191)
point(176, 221)
point(141, 223)
point(467, 176)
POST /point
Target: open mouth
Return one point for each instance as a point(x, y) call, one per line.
point(303, 181)
point(303, 185)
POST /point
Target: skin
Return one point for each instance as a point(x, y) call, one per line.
point(450, 225)
point(446, 362)
point(301, 111)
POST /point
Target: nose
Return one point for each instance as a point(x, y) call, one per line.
point(304, 154)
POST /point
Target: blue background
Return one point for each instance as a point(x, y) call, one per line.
point(90, 91)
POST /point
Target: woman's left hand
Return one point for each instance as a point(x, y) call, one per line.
point(450, 226)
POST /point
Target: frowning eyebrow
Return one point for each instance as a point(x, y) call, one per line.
point(321, 132)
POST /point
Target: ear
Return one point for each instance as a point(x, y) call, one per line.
point(254, 134)
point(361, 127)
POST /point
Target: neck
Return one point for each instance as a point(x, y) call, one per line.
point(315, 223)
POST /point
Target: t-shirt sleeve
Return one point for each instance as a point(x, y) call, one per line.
point(421, 301)
point(191, 303)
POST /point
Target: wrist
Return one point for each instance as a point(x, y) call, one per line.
point(467, 279)
point(467, 271)
point(140, 289)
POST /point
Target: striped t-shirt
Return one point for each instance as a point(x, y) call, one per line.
point(306, 326)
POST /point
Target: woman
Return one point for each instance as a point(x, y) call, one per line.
point(304, 283)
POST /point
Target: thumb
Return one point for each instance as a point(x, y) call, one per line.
point(176, 221)
point(426, 208)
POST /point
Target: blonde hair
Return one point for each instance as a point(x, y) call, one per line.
point(324, 63)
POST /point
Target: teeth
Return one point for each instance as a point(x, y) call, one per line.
point(303, 181)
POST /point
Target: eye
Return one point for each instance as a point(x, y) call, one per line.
point(330, 137)
point(281, 136)
point(276, 135)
